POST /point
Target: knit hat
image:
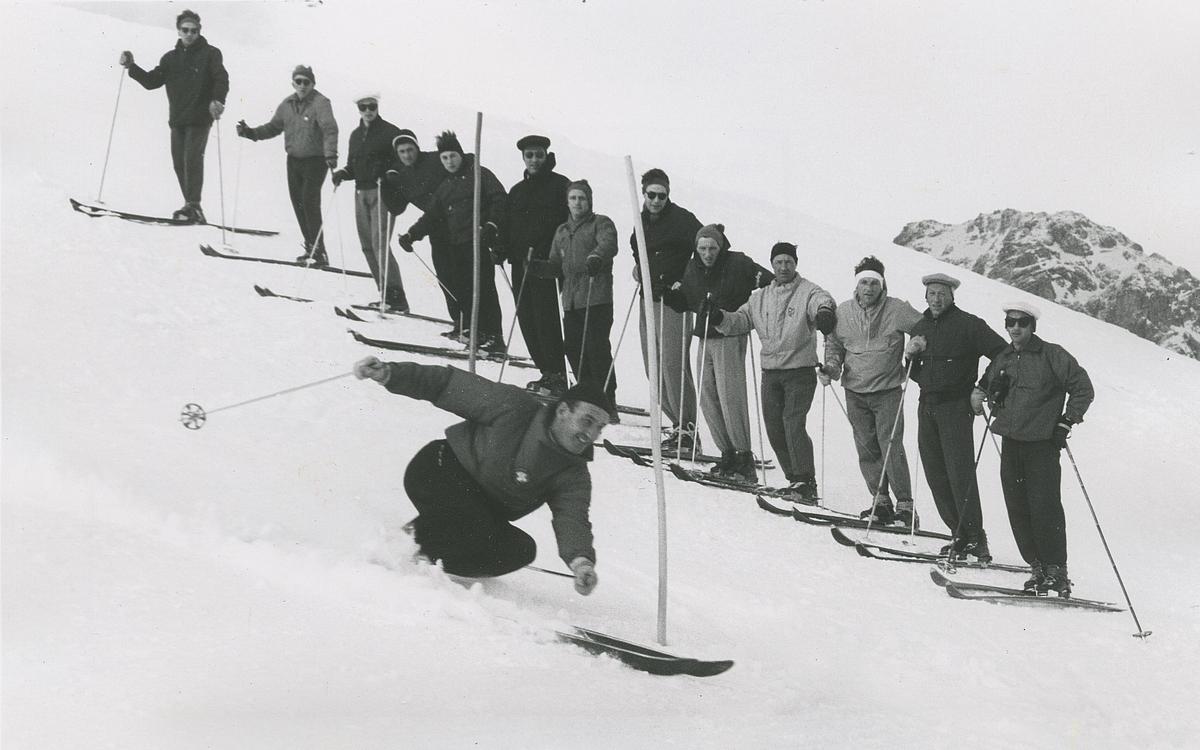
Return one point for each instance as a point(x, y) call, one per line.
point(715, 232)
point(941, 278)
point(587, 392)
point(783, 248)
point(533, 141)
point(581, 185)
point(304, 70)
point(448, 141)
point(656, 177)
point(406, 135)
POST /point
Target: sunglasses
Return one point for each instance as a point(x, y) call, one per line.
point(1022, 321)
point(189, 30)
point(368, 107)
point(652, 195)
point(301, 81)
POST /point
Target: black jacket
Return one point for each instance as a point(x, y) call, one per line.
point(415, 184)
point(454, 202)
point(730, 280)
point(954, 342)
point(370, 152)
point(671, 238)
point(194, 77)
point(537, 205)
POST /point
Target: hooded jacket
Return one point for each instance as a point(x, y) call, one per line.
point(671, 238)
point(574, 241)
point(454, 202)
point(1040, 377)
point(308, 126)
point(866, 348)
point(954, 342)
point(730, 280)
point(537, 206)
point(194, 76)
point(370, 152)
point(505, 445)
point(783, 315)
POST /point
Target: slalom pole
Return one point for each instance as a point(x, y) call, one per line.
point(221, 183)
point(912, 531)
point(380, 247)
point(655, 407)
point(476, 260)
point(193, 416)
point(700, 375)
point(111, 129)
point(587, 308)
point(762, 445)
point(887, 454)
point(1141, 633)
point(513, 326)
point(621, 338)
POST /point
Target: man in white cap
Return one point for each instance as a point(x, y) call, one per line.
point(945, 348)
point(1027, 384)
point(370, 155)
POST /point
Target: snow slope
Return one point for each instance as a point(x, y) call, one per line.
point(245, 585)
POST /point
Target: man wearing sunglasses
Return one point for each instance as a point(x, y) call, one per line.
point(197, 84)
point(370, 154)
point(1027, 385)
point(945, 348)
point(310, 136)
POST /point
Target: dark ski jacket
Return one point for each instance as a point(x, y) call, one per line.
point(415, 184)
point(370, 152)
point(955, 341)
point(574, 242)
point(1040, 377)
point(454, 202)
point(537, 205)
point(505, 444)
point(730, 280)
point(194, 77)
point(671, 237)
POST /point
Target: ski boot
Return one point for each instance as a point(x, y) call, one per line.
point(195, 213)
point(1054, 578)
point(975, 546)
point(906, 514)
point(182, 214)
point(554, 384)
point(720, 469)
point(803, 491)
point(314, 259)
point(741, 468)
point(1035, 580)
point(881, 512)
point(493, 346)
point(686, 440)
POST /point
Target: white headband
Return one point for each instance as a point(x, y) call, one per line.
point(868, 274)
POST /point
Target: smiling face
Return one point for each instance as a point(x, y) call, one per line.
point(656, 198)
point(939, 297)
point(708, 249)
point(451, 160)
point(576, 427)
point(1019, 327)
point(368, 109)
point(534, 159)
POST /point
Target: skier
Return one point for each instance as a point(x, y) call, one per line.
point(1027, 384)
point(197, 84)
point(945, 348)
point(370, 154)
point(509, 456)
point(671, 235)
point(413, 177)
point(310, 136)
point(866, 352)
point(582, 255)
point(537, 205)
point(786, 313)
point(453, 205)
point(718, 278)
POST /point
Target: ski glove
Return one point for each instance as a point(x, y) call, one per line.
point(331, 162)
point(392, 177)
point(915, 346)
point(339, 176)
point(216, 109)
point(978, 396)
point(1062, 431)
point(827, 374)
point(594, 264)
point(245, 131)
point(405, 241)
point(710, 310)
point(585, 575)
point(825, 320)
point(487, 235)
point(126, 59)
point(371, 367)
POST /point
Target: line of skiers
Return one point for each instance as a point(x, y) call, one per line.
point(557, 247)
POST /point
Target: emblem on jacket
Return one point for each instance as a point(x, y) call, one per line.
point(791, 312)
point(521, 476)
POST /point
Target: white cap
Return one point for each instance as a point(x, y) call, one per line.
point(1023, 307)
point(368, 95)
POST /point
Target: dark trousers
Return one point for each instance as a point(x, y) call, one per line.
point(1031, 477)
point(461, 282)
point(947, 444)
point(593, 343)
point(872, 418)
point(187, 154)
point(305, 176)
point(538, 317)
point(787, 396)
point(458, 523)
point(443, 261)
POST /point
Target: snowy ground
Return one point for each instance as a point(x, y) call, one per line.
point(246, 586)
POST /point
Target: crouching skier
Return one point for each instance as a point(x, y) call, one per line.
point(511, 455)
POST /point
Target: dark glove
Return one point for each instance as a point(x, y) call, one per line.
point(825, 321)
point(245, 131)
point(392, 177)
point(331, 162)
point(594, 264)
point(1062, 431)
point(126, 59)
point(543, 269)
point(487, 235)
point(405, 241)
point(675, 299)
point(498, 253)
point(709, 309)
point(339, 176)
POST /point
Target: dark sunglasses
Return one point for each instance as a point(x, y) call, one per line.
point(652, 195)
point(1022, 321)
point(189, 30)
point(301, 81)
point(368, 107)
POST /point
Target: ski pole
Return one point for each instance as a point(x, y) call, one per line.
point(435, 276)
point(193, 416)
point(823, 402)
point(700, 366)
point(962, 515)
point(1142, 633)
point(762, 445)
point(112, 129)
point(512, 327)
point(380, 247)
point(587, 308)
point(221, 183)
point(621, 339)
point(550, 572)
point(237, 181)
point(887, 454)
point(683, 371)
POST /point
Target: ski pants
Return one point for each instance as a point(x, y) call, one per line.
point(1031, 477)
point(458, 523)
point(305, 176)
point(947, 442)
point(460, 278)
point(588, 349)
point(187, 155)
point(674, 344)
point(872, 417)
point(443, 262)
point(723, 392)
point(374, 234)
point(787, 396)
point(537, 314)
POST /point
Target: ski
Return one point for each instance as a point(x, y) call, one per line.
point(623, 452)
point(979, 590)
point(851, 522)
point(671, 453)
point(94, 211)
point(699, 477)
point(826, 512)
point(439, 351)
point(347, 313)
point(928, 557)
point(640, 657)
point(212, 252)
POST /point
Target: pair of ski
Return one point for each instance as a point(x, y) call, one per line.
point(640, 657)
point(639, 453)
point(836, 520)
point(95, 211)
point(1005, 595)
point(347, 313)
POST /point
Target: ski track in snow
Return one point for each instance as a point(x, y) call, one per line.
point(246, 585)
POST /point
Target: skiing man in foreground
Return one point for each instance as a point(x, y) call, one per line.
point(197, 84)
point(511, 455)
point(1028, 382)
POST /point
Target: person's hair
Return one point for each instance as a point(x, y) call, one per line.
point(869, 263)
point(187, 15)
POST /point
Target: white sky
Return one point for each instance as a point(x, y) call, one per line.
point(866, 115)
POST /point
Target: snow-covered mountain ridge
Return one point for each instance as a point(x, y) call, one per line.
point(1070, 259)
